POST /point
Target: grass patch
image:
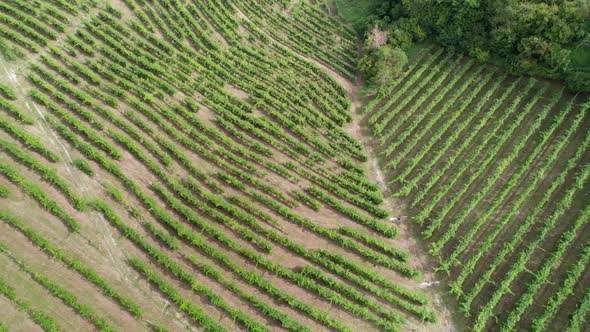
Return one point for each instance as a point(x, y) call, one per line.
point(357, 12)
point(416, 47)
point(581, 57)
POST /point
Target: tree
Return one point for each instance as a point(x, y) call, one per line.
point(383, 65)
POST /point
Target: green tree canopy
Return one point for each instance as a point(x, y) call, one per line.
point(534, 36)
point(383, 65)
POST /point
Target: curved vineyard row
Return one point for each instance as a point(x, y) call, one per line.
point(198, 149)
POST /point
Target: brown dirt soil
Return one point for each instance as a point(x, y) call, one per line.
point(236, 92)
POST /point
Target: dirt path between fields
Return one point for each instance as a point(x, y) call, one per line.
point(407, 239)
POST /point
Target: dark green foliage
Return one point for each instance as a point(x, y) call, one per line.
point(4, 192)
point(383, 65)
point(358, 13)
point(546, 38)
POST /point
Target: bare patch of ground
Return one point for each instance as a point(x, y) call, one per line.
point(236, 92)
point(378, 37)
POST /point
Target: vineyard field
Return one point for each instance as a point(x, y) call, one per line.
point(493, 170)
point(174, 165)
point(226, 165)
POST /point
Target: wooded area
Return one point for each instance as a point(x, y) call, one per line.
point(549, 38)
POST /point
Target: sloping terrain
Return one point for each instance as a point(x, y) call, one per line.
point(182, 165)
point(494, 172)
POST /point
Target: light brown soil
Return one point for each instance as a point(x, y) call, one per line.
point(236, 92)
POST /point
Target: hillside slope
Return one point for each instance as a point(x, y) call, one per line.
point(493, 170)
point(183, 165)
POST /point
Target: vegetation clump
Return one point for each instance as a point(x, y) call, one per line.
point(544, 38)
point(83, 165)
point(383, 65)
